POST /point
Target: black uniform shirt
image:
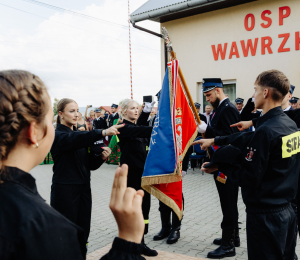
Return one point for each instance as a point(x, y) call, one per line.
point(70, 155)
point(112, 118)
point(133, 145)
point(99, 123)
point(266, 177)
point(221, 119)
point(30, 228)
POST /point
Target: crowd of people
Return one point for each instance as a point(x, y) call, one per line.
point(263, 161)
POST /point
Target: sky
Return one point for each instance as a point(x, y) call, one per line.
point(79, 58)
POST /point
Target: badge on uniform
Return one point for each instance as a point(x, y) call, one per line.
point(250, 154)
point(221, 178)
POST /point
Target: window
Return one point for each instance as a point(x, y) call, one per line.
point(229, 89)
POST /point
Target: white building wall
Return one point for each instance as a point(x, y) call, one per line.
point(194, 36)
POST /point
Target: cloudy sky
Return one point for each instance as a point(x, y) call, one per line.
point(80, 58)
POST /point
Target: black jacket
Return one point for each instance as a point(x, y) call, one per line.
point(30, 228)
point(111, 119)
point(133, 144)
point(267, 179)
point(99, 123)
point(221, 119)
point(293, 114)
point(72, 161)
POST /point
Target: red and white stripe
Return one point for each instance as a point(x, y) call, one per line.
point(174, 69)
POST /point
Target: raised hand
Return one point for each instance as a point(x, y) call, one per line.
point(126, 206)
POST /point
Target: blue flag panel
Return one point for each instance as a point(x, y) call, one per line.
point(161, 159)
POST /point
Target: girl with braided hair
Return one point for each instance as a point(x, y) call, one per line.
point(30, 228)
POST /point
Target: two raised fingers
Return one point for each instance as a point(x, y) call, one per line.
point(123, 198)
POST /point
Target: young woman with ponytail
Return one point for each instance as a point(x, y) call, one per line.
point(133, 145)
point(73, 162)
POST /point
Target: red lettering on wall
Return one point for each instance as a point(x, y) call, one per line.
point(265, 45)
point(265, 18)
point(234, 50)
point(285, 37)
point(249, 46)
point(282, 15)
point(246, 22)
point(220, 51)
point(297, 42)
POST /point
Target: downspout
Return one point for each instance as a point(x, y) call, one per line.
point(156, 34)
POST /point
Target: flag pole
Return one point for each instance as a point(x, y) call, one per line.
point(173, 55)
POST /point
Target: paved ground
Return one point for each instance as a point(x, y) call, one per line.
point(201, 222)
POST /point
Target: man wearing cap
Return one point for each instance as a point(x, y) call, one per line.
point(293, 102)
point(114, 115)
point(223, 115)
point(266, 164)
point(99, 122)
point(202, 117)
point(239, 104)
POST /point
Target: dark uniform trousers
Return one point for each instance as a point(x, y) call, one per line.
point(221, 119)
point(228, 194)
point(271, 234)
point(134, 180)
point(166, 212)
point(75, 203)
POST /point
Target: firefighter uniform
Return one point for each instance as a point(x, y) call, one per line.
point(112, 117)
point(133, 144)
point(268, 173)
point(221, 118)
point(70, 190)
point(99, 123)
point(30, 228)
point(134, 154)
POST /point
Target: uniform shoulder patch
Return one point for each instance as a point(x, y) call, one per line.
point(290, 144)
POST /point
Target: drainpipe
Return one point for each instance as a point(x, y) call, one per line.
point(156, 34)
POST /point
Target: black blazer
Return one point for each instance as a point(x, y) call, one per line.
point(221, 119)
point(99, 123)
point(72, 161)
point(133, 142)
point(111, 119)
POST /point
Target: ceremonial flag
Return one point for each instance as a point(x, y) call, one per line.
point(174, 129)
